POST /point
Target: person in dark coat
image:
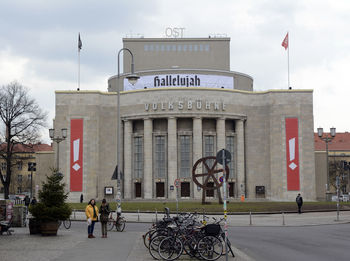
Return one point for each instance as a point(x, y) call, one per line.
point(104, 214)
point(81, 198)
point(26, 202)
point(33, 201)
point(299, 201)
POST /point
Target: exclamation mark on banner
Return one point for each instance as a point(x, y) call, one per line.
point(76, 143)
point(292, 153)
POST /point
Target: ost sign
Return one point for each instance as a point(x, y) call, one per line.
point(174, 32)
point(181, 80)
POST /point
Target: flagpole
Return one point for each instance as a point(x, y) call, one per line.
point(288, 61)
point(78, 69)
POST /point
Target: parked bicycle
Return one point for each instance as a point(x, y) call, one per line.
point(118, 223)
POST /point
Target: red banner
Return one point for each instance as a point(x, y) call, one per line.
point(292, 149)
point(76, 155)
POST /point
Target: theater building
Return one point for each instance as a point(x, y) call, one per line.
point(186, 105)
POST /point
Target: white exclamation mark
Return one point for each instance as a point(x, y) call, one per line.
point(292, 153)
point(76, 143)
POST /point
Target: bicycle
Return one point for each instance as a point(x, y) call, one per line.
point(66, 223)
point(118, 223)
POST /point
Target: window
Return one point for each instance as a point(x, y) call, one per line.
point(29, 177)
point(19, 190)
point(138, 157)
point(231, 189)
point(209, 148)
point(185, 156)
point(195, 48)
point(230, 148)
point(159, 159)
point(19, 178)
point(31, 166)
point(138, 190)
point(145, 47)
point(206, 48)
point(160, 190)
point(19, 165)
point(3, 165)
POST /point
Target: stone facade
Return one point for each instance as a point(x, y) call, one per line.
point(166, 129)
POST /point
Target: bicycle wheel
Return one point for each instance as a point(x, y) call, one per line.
point(110, 224)
point(170, 248)
point(147, 238)
point(228, 244)
point(120, 225)
point(210, 248)
point(153, 246)
point(67, 223)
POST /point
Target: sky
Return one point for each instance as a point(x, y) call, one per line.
point(39, 38)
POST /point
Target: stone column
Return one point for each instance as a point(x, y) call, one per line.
point(127, 159)
point(148, 159)
point(240, 158)
point(172, 156)
point(197, 150)
point(220, 142)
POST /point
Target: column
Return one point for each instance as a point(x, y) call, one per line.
point(127, 159)
point(172, 156)
point(240, 158)
point(220, 141)
point(197, 150)
point(147, 148)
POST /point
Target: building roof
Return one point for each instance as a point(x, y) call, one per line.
point(341, 142)
point(30, 147)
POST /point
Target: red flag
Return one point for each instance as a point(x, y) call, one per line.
point(285, 42)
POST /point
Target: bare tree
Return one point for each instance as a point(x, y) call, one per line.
point(20, 122)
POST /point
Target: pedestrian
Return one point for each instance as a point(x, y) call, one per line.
point(81, 198)
point(33, 201)
point(299, 201)
point(104, 213)
point(91, 212)
point(26, 202)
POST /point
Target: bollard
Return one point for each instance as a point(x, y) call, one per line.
point(250, 218)
point(156, 216)
point(138, 215)
point(283, 223)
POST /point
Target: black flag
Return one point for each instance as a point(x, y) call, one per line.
point(116, 172)
point(80, 44)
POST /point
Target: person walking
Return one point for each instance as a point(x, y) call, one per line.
point(81, 198)
point(26, 202)
point(34, 201)
point(299, 201)
point(91, 212)
point(104, 213)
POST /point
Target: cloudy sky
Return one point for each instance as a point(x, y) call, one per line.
point(38, 43)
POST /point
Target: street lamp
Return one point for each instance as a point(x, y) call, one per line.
point(132, 77)
point(58, 139)
point(326, 139)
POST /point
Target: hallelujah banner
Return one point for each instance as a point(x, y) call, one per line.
point(292, 151)
point(76, 155)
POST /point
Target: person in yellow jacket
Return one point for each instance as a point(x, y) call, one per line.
point(91, 212)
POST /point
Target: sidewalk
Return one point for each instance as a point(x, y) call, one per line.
point(290, 219)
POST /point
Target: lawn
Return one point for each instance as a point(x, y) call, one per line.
point(192, 206)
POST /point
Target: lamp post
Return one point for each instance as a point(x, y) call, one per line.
point(132, 77)
point(58, 139)
point(326, 139)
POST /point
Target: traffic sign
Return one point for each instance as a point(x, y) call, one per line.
point(221, 179)
point(221, 154)
point(177, 183)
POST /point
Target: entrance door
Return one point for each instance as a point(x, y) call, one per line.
point(137, 190)
point(160, 189)
point(231, 190)
point(185, 189)
point(210, 193)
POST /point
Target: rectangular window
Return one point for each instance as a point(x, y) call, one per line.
point(138, 190)
point(160, 157)
point(145, 47)
point(19, 190)
point(3, 165)
point(31, 166)
point(185, 156)
point(19, 165)
point(209, 148)
point(230, 148)
point(138, 157)
point(19, 178)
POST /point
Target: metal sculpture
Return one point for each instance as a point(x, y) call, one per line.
point(208, 174)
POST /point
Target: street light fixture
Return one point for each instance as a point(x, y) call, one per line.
point(326, 139)
point(58, 139)
point(132, 78)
